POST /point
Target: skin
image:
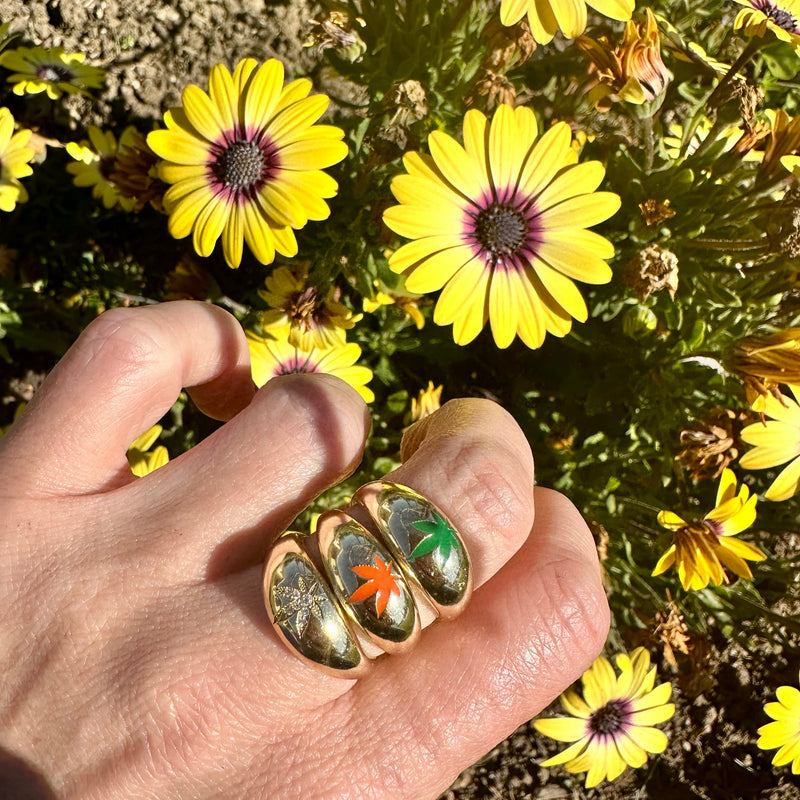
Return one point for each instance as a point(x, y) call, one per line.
point(136, 657)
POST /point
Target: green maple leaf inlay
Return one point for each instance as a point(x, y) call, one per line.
point(441, 536)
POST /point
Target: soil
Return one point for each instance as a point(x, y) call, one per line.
point(152, 49)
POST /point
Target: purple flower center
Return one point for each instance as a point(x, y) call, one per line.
point(242, 166)
point(295, 366)
point(501, 230)
point(54, 73)
point(783, 19)
point(611, 718)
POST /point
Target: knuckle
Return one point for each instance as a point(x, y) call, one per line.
point(120, 340)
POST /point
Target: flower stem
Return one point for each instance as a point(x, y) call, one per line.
point(717, 97)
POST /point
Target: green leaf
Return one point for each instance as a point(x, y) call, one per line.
point(442, 537)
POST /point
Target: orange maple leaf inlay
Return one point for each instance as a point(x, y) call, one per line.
point(380, 582)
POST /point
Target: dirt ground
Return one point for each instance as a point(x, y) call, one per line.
point(152, 48)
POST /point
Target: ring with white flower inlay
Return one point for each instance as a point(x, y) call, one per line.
point(368, 580)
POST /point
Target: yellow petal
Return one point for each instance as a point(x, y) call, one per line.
point(437, 269)
point(545, 160)
point(571, 182)
point(233, 236)
point(209, 225)
point(457, 167)
point(204, 116)
point(185, 213)
point(263, 93)
point(786, 484)
point(562, 729)
point(223, 97)
point(502, 308)
point(571, 16)
point(583, 211)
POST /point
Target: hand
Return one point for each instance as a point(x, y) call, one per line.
point(136, 657)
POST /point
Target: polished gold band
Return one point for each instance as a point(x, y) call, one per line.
point(368, 582)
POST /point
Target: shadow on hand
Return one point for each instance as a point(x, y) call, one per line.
point(20, 781)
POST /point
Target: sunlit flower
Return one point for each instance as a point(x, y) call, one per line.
point(702, 551)
point(428, 401)
point(141, 459)
point(246, 161)
point(271, 357)
point(37, 69)
point(782, 143)
point(776, 441)
point(634, 71)
point(95, 163)
point(781, 19)
point(14, 158)
point(784, 733)
point(762, 362)
point(612, 724)
point(500, 223)
point(546, 17)
point(314, 318)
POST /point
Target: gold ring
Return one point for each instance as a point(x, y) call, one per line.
point(368, 580)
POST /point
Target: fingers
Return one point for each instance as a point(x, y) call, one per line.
point(216, 508)
point(529, 632)
point(472, 460)
point(120, 377)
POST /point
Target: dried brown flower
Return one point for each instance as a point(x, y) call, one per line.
point(655, 212)
point(711, 444)
point(188, 281)
point(651, 270)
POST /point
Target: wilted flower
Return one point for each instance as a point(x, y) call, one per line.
point(654, 212)
point(776, 442)
point(340, 31)
point(495, 87)
point(780, 18)
point(15, 156)
point(135, 171)
point(314, 318)
point(188, 281)
point(634, 71)
point(37, 69)
point(500, 225)
point(546, 17)
point(246, 161)
point(762, 362)
point(141, 459)
point(651, 270)
point(702, 551)
point(784, 733)
point(711, 444)
point(274, 356)
point(408, 100)
point(612, 724)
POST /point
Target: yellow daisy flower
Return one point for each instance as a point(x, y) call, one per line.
point(703, 550)
point(14, 158)
point(776, 442)
point(96, 163)
point(784, 733)
point(245, 161)
point(314, 319)
point(51, 70)
point(500, 223)
point(270, 357)
point(428, 401)
point(141, 459)
point(545, 17)
point(408, 304)
point(781, 19)
point(612, 724)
